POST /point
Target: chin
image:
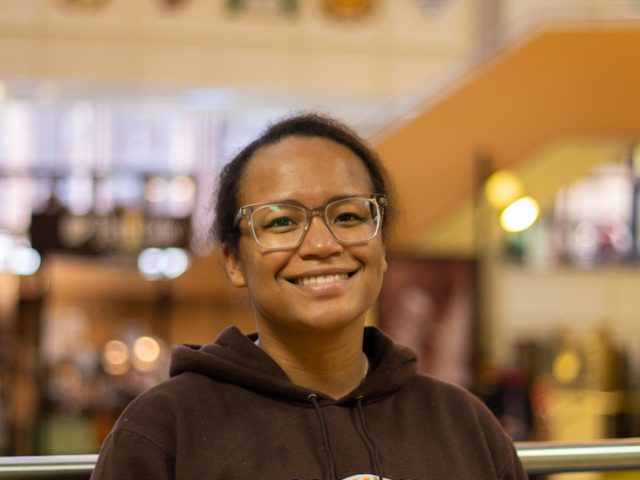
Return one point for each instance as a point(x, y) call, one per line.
point(326, 323)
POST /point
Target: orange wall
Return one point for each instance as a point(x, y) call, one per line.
point(560, 82)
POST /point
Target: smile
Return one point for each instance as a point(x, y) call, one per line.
point(321, 279)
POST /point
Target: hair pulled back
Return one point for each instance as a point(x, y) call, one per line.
point(305, 125)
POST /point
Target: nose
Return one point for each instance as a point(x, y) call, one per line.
point(318, 240)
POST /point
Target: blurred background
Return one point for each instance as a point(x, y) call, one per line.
point(511, 129)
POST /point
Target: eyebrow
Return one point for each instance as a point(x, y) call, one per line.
point(293, 201)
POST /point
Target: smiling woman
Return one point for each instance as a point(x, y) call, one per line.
point(301, 216)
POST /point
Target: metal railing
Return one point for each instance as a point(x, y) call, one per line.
point(537, 458)
point(599, 456)
point(46, 465)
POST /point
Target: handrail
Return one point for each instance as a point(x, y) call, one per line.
point(47, 465)
point(537, 458)
point(596, 456)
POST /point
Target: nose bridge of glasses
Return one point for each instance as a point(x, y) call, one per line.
point(316, 212)
point(320, 214)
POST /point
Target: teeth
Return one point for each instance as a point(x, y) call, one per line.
point(320, 279)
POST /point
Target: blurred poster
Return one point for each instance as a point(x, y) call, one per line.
point(429, 306)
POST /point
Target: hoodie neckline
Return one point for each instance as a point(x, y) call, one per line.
point(234, 358)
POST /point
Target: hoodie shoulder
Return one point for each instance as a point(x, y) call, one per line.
point(458, 414)
point(231, 351)
point(234, 359)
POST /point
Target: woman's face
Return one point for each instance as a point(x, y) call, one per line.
point(311, 171)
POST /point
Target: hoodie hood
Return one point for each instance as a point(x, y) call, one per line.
point(234, 358)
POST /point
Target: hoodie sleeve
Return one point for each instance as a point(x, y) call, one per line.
point(127, 455)
point(505, 456)
point(513, 469)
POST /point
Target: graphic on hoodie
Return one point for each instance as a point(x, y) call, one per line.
point(365, 476)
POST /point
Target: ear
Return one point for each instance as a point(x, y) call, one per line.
point(233, 266)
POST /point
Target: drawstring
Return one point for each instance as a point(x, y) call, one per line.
point(374, 453)
point(371, 445)
point(325, 435)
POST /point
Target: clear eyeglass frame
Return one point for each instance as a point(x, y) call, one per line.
point(377, 201)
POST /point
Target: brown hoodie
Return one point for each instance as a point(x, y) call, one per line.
point(229, 412)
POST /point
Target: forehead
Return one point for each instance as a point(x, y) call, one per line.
point(308, 169)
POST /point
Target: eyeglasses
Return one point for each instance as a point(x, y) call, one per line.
point(281, 226)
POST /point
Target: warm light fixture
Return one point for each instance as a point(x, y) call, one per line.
point(115, 357)
point(146, 353)
point(520, 215)
point(502, 188)
point(155, 190)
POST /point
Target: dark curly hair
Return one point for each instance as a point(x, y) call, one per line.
point(304, 125)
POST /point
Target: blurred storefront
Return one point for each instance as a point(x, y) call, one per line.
point(105, 263)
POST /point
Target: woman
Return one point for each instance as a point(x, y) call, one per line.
point(301, 214)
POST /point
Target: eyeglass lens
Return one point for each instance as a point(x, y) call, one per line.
point(350, 220)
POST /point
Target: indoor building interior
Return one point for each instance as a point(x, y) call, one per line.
point(510, 129)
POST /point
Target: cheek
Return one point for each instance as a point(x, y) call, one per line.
point(382, 268)
point(378, 256)
point(261, 269)
point(374, 257)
